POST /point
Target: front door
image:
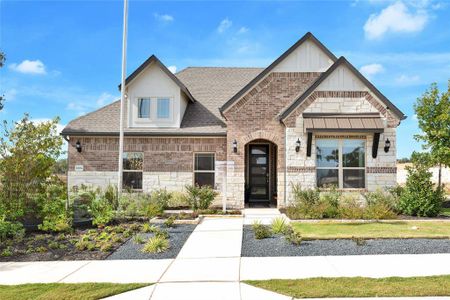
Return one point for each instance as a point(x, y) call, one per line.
point(259, 173)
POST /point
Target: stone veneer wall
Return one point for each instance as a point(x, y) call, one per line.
point(168, 161)
point(380, 172)
point(254, 117)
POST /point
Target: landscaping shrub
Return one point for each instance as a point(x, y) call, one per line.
point(312, 204)
point(419, 197)
point(330, 202)
point(351, 208)
point(9, 229)
point(200, 197)
point(178, 200)
point(156, 244)
point(261, 231)
point(169, 222)
point(161, 197)
point(55, 216)
point(380, 205)
point(293, 236)
point(279, 225)
point(101, 210)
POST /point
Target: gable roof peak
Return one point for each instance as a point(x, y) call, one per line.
point(342, 61)
point(266, 71)
point(154, 59)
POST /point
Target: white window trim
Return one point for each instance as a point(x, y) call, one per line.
point(340, 166)
point(204, 171)
point(153, 119)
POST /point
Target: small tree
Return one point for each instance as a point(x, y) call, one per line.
point(419, 197)
point(28, 153)
point(433, 114)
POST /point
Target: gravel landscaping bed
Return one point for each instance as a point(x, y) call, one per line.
point(278, 246)
point(178, 236)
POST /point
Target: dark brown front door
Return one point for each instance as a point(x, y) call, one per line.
point(259, 173)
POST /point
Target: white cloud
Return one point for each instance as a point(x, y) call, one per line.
point(406, 79)
point(224, 25)
point(164, 17)
point(172, 69)
point(395, 18)
point(104, 99)
point(91, 103)
point(29, 67)
point(59, 127)
point(371, 69)
point(242, 30)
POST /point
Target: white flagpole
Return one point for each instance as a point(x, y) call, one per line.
point(122, 93)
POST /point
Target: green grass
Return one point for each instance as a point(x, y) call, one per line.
point(66, 291)
point(358, 287)
point(394, 229)
point(446, 212)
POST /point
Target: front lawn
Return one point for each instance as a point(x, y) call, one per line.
point(358, 287)
point(394, 229)
point(67, 291)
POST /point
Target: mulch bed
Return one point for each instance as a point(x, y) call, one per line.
point(38, 246)
point(278, 246)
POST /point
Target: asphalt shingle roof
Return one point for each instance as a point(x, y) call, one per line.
point(210, 86)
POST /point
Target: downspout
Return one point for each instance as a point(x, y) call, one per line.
point(285, 165)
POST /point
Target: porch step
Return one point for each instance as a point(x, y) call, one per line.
point(263, 215)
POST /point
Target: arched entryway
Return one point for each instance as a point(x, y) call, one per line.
point(261, 173)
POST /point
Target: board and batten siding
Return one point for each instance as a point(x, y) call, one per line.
point(308, 57)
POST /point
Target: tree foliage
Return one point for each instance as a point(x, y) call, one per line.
point(433, 114)
point(28, 154)
point(2, 62)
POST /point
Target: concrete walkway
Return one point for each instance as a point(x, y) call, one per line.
point(263, 215)
point(209, 266)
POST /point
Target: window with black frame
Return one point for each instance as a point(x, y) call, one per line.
point(341, 163)
point(204, 165)
point(132, 170)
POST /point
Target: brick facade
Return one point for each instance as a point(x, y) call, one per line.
point(167, 154)
point(254, 117)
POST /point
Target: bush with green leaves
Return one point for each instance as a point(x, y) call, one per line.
point(380, 205)
point(28, 152)
point(260, 230)
point(156, 244)
point(9, 229)
point(55, 214)
point(200, 197)
point(351, 207)
point(420, 197)
point(161, 197)
point(101, 210)
point(279, 225)
point(293, 236)
point(312, 204)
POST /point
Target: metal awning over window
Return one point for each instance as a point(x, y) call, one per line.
point(369, 122)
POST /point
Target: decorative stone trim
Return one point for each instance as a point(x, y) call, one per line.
point(392, 120)
point(355, 137)
point(381, 170)
point(294, 169)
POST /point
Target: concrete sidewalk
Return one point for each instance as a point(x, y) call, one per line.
point(209, 266)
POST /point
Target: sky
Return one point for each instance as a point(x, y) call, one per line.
point(63, 58)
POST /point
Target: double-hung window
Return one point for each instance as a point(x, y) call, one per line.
point(341, 163)
point(132, 170)
point(204, 165)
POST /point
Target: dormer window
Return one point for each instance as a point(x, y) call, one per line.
point(163, 108)
point(144, 108)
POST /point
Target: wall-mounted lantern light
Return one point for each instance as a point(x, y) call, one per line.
point(387, 145)
point(297, 145)
point(234, 146)
point(78, 146)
